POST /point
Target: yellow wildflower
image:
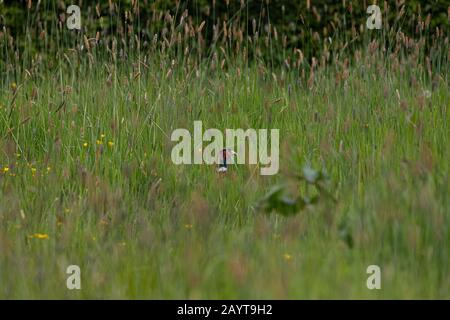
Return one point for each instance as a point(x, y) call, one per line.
point(287, 256)
point(110, 144)
point(39, 236)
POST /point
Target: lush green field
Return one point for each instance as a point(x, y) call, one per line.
point(86, 178)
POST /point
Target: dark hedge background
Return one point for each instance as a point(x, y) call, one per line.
point(304, 23)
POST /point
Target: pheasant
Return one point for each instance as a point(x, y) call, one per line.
point(225, 158)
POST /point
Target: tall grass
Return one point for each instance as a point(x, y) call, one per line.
point(86, 176)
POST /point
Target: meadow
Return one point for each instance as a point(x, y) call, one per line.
point(86, 176)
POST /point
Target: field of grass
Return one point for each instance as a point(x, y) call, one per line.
point(86, 178)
